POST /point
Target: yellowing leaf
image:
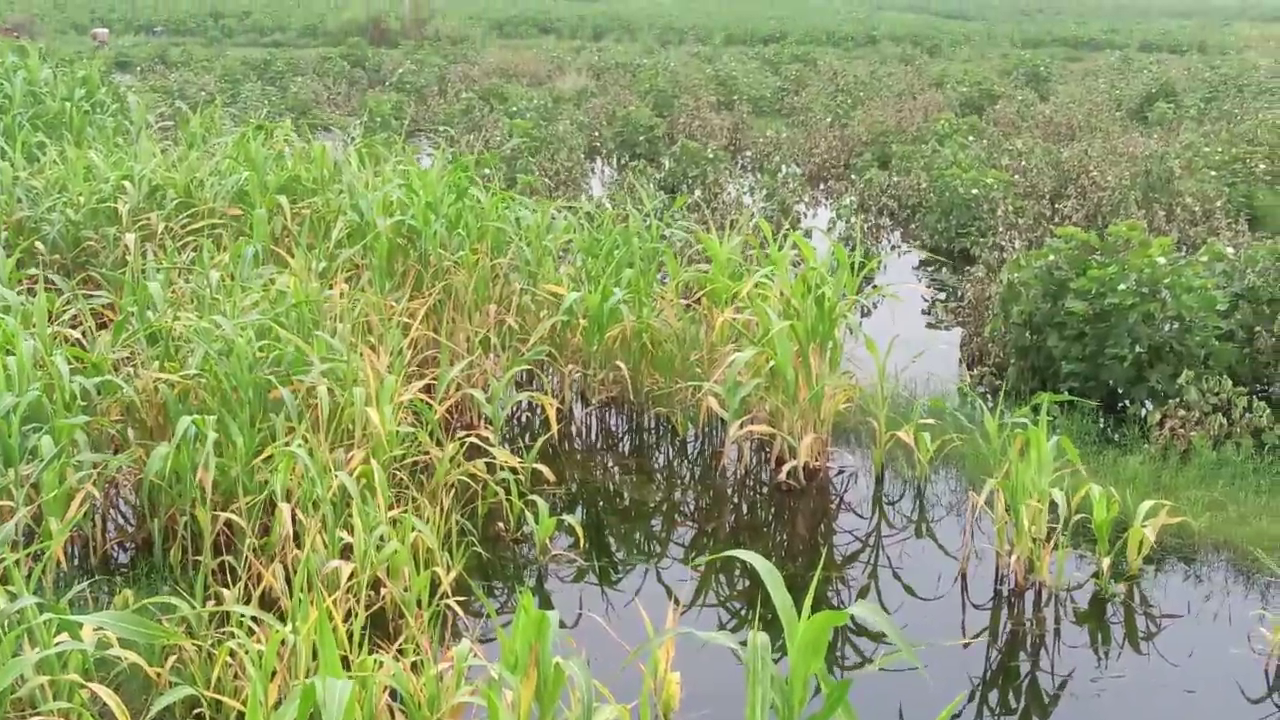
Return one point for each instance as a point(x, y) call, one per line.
point(110, 699)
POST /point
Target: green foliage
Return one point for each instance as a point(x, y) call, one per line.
point(293, 362)
point(1156, 104)
point(974, 95)
point(1212, 410)
point(960, 214)
point(1115, 318)
point(1037, 492)
point(1036, 74)
point(1247, 278)
point(1229, 491)
point(1103, 515)
point(1103, 512)
point(1027, 494)
point(788, 694)
point(635, 136)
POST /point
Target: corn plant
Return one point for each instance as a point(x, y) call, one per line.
point(773, 692)
point(887, 428)
point(927, 447)
point(1027, 498)
point(1149, 519)
point(877, 403)
point(1102, 515)
point(662, 683)
point(529, 680)
point(782, 380)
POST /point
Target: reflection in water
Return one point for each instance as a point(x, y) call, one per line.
point(1267, 699)
point(923, 359)
point(653, 497)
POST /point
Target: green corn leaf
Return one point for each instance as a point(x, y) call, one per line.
point(835, 698)
point(774, 584)
point(757, 659)
point(874, 616)
point(327, 646)
point(334, 695)
point(297, 705)
point(128, 626)
point(170, 697)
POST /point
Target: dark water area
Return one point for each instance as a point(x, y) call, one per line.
point(651, 501)
point(652, 498)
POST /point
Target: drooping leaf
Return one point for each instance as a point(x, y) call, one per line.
point(128, 626)
point(170, 697)
point(774, 585)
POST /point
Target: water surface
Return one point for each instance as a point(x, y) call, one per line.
point(652, 499)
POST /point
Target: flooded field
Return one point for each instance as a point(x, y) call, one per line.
point(651, 501)
point(370, 363)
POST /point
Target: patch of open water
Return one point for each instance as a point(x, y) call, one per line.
point(921, 359)
point(651, 500)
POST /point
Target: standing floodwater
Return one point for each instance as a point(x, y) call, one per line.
point(651, 500)
point(922, 359)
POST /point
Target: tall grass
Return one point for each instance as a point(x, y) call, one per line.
point(276, 374)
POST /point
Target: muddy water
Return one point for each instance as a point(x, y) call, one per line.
point(652, 499)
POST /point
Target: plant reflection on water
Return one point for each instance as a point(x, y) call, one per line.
point(652, 496)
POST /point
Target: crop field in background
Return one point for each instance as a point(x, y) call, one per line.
point(301, 303)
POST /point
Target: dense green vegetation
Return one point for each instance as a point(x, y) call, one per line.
point(979, 153)
point(1230, 492)
point(253, 347)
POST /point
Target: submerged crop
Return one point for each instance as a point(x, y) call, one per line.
point(283, 383)
point(288, 369)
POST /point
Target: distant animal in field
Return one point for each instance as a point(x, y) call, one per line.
point(8, 32)
point(100, 36)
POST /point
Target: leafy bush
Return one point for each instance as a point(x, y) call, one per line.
point(975, 96)
point(1248, 280)
point(1036, 74)
point(959, 214)
point(1212, 410)
point(1115, 318)
point(1156, 103)
point(636, 135)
